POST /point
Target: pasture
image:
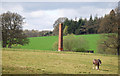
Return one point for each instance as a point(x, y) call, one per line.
point(20, 61)
point(46, 43)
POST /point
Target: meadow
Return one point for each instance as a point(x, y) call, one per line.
point(46, 42)
point(21, 61)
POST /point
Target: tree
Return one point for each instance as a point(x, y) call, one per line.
point(118, 22)
point(81, 27)
point(96, 24)
point(65, 31)
point(108, 44)
point(109, 25)
point(90, 24)
point(12, 29)
point(56, 25)
point(0, 34)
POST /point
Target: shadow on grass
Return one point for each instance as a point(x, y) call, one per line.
point(105, 70)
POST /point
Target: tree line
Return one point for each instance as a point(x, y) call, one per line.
point(94, 25)
point(36, 33)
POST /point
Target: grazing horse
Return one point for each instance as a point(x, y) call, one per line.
point(97, 63)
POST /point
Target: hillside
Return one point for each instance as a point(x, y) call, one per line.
point(46, 42)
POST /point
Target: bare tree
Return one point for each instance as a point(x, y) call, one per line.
point(56, 24)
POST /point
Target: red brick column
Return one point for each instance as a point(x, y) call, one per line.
point(60, 44)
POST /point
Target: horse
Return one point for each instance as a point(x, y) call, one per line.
point(96, 63)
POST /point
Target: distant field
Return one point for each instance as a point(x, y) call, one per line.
point(46, 43)
point(20, 61)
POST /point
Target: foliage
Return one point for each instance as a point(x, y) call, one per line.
point(72, 43)
point(109, 23)
point(82, 26)
point(108, 44)
point(55, 46)
point(65, 31)
point(12, 29)
point(93, 25)
point(36, 33)
point(69, 42)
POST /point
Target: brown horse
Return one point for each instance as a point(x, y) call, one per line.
point(96, 63)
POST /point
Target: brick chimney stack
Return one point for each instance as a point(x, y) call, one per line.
point(60, 44)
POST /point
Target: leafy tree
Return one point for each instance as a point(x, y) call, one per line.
point(12, 29)
point(65, 31)
point(108, 44)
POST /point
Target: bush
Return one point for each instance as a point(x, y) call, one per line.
point(72, 43)
point(108, 44)
point(55, 46)
point(69, 42)
point(80, 50)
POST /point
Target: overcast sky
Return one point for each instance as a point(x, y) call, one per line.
point(42, 15)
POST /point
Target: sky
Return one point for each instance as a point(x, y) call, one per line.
point(42, 15)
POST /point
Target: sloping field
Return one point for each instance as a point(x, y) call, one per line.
point(46, 43)
point(92, 40)
point(41, 43)
point(19, 61)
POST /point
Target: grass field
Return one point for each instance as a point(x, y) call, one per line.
point(19, 61)
point(46, 43)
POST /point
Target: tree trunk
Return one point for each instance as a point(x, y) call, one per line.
point(118, 51)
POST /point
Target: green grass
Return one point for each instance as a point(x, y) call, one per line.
point(46, 43)
point(19, 61)
point(40, 43)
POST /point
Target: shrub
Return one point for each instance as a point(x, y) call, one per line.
point(80, 50)
point(69, 42)
point(108, 44)
point(55, 46)
point(72, 43)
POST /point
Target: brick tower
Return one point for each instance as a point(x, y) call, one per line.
point(60, 44)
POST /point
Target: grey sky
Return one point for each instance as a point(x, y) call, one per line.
point(41, 15)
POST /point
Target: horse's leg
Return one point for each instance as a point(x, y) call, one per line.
point(93, 66)
point(96, 67)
